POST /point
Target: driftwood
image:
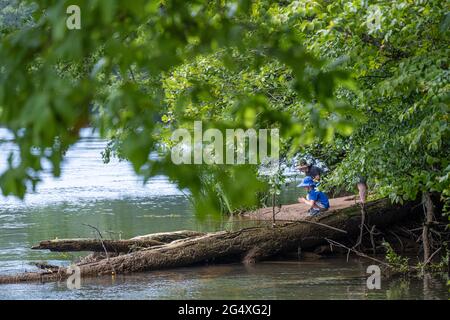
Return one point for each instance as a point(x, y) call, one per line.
point(167, 237)
point(249, 245)
point(117, 246)
point(95, 245)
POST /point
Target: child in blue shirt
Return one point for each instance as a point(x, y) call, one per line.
point(317, 200)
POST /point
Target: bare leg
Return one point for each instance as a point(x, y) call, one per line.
point(362, 188)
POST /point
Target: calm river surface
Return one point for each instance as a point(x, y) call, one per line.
point(113, 199)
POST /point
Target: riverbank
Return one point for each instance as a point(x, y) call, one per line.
point(298, 211)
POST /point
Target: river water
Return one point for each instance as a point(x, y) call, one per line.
point(111, 198)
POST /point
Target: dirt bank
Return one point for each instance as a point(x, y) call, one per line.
point(298, 211)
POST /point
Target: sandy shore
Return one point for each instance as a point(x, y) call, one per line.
point(298, 211)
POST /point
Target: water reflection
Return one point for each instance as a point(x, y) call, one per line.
point(325, 279)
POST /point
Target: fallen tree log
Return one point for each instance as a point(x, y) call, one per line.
point(248, 245)
point(95, 245)
point(167, 237)
point(117, 246)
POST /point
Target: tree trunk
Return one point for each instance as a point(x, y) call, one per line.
point(117, 246)
point(95, 245)
point(273, 208)
point(251, 244)
point(167, 237)
point(429, 216)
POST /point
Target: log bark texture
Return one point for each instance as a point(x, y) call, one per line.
point(167, 237)
point(429, 217)
point(95, 245)
point(251, 244)
point(117, 246)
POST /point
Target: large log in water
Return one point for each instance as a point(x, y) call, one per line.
point(117, 246)
point(169, 236)
point(95, 245)
point(244, 245)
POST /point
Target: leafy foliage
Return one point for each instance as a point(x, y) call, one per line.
point(112, 74)
point(398, 263)
point(398, 55)
point(362, 85)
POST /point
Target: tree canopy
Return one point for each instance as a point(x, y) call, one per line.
point(362, 85)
